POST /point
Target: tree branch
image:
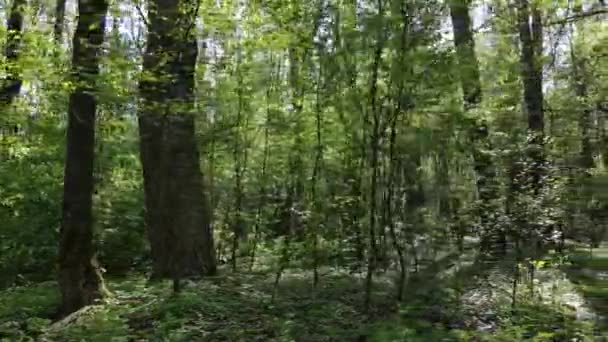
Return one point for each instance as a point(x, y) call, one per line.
point(142, 16)
point(578, 16)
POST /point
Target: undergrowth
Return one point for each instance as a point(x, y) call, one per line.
point(239, 307)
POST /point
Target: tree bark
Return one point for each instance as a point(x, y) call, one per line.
point(178, 216)
point(79, 278)
point(530, 36)
point(471, 88)
point(264, 171)
point(472, 95)
point(14, 25)
point(388, 207)
point(240, 160)
point(465, 52)
point(579, 80)
point(375, 147)
point(59, 21)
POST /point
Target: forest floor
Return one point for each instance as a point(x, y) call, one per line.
point(570, 303)
point(438, 306)
point(589, 273)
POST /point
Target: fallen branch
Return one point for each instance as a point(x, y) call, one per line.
point(71, 318)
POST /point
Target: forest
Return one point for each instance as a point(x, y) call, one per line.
point(303, 170)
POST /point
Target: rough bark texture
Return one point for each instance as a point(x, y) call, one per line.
point(79, 277)
point(178, 217)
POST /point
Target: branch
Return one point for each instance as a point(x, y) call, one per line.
point(578, 16)
point(143, 16)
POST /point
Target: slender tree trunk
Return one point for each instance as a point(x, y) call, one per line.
point(401, 100)
point(11, 85)
point(352, 216)
point(586, 159)
point(298, 57)
point(317, 168)
point(80, 281)
point(374, 161)
point(178, 216)
point(59, 21)
point(240, 156)
point(266, 154)
point(388, 202)
point(442, 164)
point(530, 36)
point(579, 80)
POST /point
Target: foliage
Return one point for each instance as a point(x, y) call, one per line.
point(335, 138)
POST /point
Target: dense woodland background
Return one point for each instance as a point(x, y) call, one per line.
point(321, 170)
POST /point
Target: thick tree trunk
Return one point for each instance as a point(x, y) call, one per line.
point(79, 278)
point(472, 95)
point(178, 217)
point(471, 88)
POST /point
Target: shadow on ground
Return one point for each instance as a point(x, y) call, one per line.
point(224, 308)
point(589, 271)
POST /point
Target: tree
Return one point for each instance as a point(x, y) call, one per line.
point(346, 145)
point(178, 216)
point(59, 21)
point(531, 39)
point(472, 95)
point(580, 85)
point(80, 280)
point(12, 84)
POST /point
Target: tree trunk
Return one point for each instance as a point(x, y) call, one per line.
point(388, 207)
point(472, 95)
point(11, 85)
point(264, 171)
point(372, 257)
point(579, 80)
point(240, 159)
point(317, 174)
point(79, 278)
point(465, 51)
point(530, 35)
point(14, 25)
point(178, 216)
point(59, 21)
